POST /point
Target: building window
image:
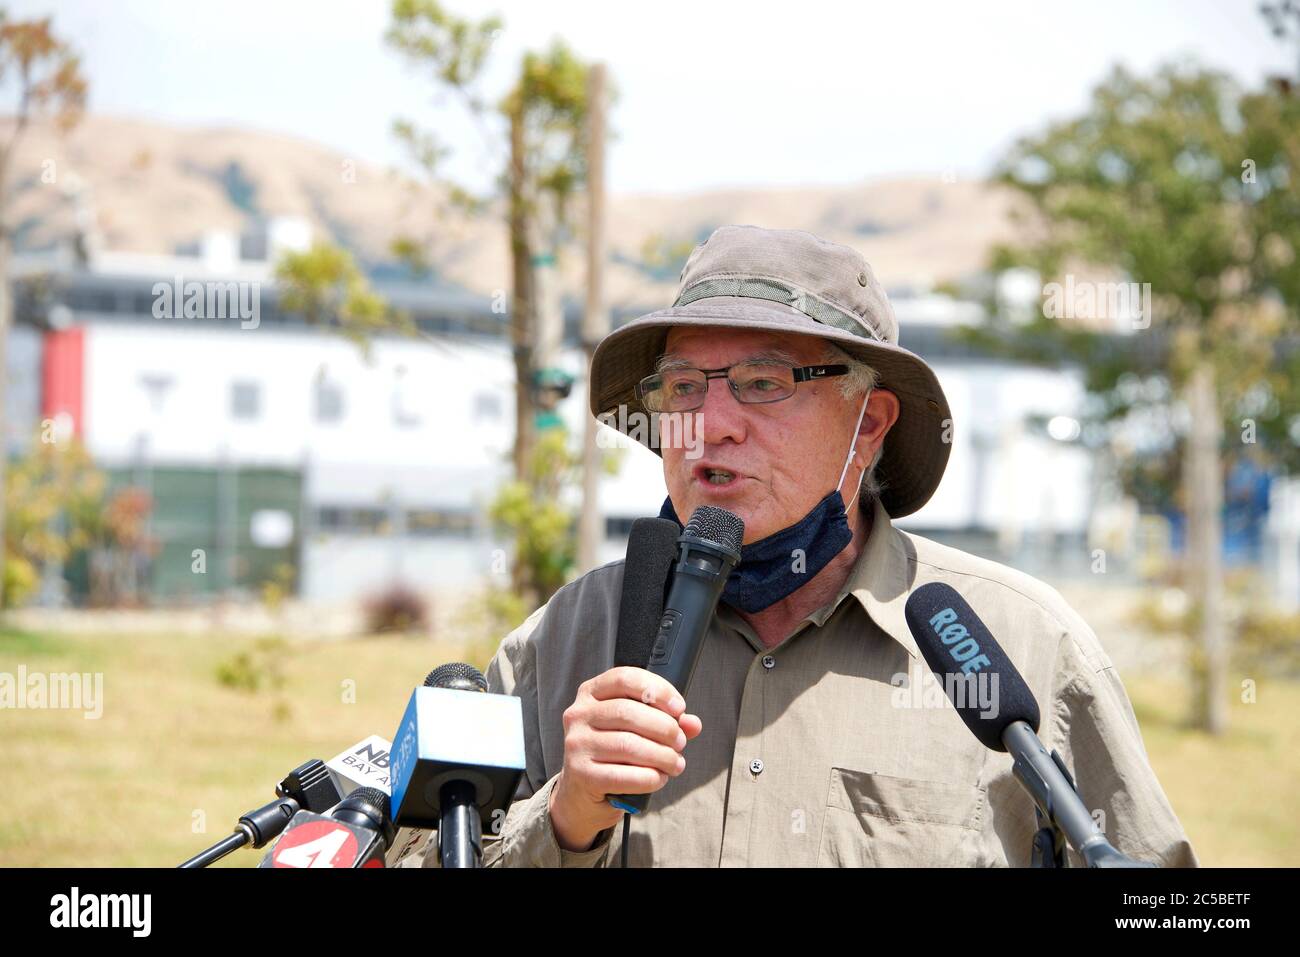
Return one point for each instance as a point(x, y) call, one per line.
point(156, 386)
point(245, 400)
point(487, 405)
point(406, 400)
point(329, 401)
point(433, 523)
point(355, 521)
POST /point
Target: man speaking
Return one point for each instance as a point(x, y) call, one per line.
point(810, 739)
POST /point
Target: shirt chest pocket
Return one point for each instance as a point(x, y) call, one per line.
point(877, 820)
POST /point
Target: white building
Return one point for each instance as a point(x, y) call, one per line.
point(264, 439)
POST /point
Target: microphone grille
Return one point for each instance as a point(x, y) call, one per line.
point(713, 524)
point(456, 675)
point(373, 797)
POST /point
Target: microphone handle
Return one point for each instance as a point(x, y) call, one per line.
point(698, 581)
point(1056, 797)
point(460, 829)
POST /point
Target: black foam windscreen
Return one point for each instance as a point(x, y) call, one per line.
point(651, 551)
point(958, 647)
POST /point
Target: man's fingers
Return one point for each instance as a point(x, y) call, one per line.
point(640, 685)
point(623, 714)
point(623, 779)
point(625, 747)
point(691, 726)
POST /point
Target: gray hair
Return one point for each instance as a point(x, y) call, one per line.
point(861, 377)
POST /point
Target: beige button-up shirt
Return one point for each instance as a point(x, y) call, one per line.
point(836, 747)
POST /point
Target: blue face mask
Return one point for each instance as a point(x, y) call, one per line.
point(774, 567)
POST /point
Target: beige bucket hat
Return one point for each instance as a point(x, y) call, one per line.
point(788, 280)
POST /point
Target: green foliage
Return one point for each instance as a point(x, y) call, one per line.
point(1264, 641)
point(549, 102)
point(325, 285)
point(57, 506)
point(454, 50)
point(534, 515)
point(261, 668)
point(53, 501)
point(662, 259)
point(258, 668)
point(240, 190)
point(20, 581)
point(278, 587)
point(1182, 181)
point(49, 74)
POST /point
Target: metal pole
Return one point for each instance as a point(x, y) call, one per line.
point(595, 318)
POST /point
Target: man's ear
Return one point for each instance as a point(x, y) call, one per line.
point(882, 412)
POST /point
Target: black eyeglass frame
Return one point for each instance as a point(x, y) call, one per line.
point(801, 374)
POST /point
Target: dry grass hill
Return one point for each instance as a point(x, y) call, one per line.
point(150, 187)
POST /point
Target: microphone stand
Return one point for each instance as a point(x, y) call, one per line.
point(307, 786)
point(255, 828)
point(1041, 776)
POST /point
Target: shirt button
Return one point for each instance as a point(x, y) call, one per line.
point(756, 766)
point(769, 662)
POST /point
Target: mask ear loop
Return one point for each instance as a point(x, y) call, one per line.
point(853, 448)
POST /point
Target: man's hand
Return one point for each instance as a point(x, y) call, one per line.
point(623, 734)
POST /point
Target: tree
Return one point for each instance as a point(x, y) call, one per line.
point(324, 285)
point(60, 507)
point(47, 80)
point(542, 159)
point(1183, 182)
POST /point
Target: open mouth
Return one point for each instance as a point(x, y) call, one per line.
point(716, 477)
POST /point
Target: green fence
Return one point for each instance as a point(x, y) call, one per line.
point(203, 524)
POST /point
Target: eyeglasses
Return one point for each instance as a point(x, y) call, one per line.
point(753, 382)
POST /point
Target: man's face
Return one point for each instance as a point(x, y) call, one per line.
point(782, 457)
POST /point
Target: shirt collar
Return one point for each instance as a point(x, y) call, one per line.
point(883, 577)
point(880, 580)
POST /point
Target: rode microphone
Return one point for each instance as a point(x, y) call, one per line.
point(457, 759)
point(308, 786)
point(357, 832)
point(708, 549)
point(957, 645)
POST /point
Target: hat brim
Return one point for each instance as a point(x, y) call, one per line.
point(917, 446)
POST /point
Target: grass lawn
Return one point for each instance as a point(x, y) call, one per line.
point(176, 750)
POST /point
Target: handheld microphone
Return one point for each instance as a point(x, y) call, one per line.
point(356, 833)
point(952, 639)
point(709, 548)
point(457, 759)
point(647, 571)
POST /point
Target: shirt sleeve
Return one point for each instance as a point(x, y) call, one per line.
point(1094, 728)
point(525, 836)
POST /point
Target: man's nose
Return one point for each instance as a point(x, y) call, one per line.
point(722, 415)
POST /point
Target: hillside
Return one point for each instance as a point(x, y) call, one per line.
point(150, 187)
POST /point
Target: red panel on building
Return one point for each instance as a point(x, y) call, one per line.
point(63, 376)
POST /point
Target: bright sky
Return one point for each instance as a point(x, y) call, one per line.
point(714, 93)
